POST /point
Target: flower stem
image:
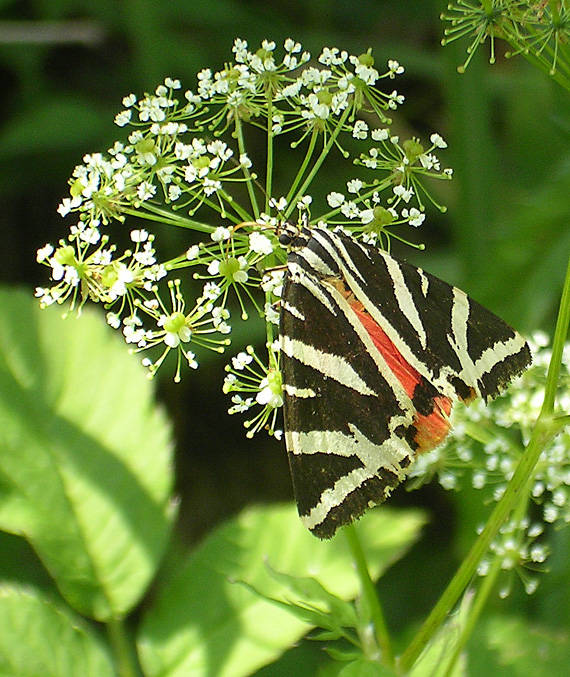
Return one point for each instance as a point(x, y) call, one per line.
point(543, 430)
point(303, 167)
point(122, 649)
point(246, 172)
point(484, 590)
point(154, 213)
point(269, 164)
point(370, 596)
point(474, 613)
point(318, 163)
point(557, 347)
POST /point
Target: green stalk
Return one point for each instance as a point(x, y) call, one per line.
point(545, 428)
point(474, 612)
point(154, 213)
point(247, 174)
point(370, 596)
point(122, 650)
point(318, 162)
point(558, 347)
point(484, 591)
point(269, 167)
point(304, 165)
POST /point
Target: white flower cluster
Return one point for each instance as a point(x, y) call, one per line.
point(262, 385)
point(506, 425)
point(185, 163)
point(518, 550)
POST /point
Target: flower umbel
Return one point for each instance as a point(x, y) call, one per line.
point(263, 385)
point(538, 30)
point(184, 162)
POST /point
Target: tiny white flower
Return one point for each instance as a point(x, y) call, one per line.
point(335, 199)
point(145, 191)
point(129, 100)
point(304, 202)
point(192, 252)
point(211, 291)
point(221, 233)
point(354, 185)
point(429, 161)
point(279, 204)
point(271, 313)
point(260, 244)
point(68, 204)
point(113, 320)
point(360, 130)
point(214, 267)
point(266, 396)
point(380, 134)
point(139, 235)
point(438, 141)
point(241, 275)
point(44, 253)
point(244, 161)
point(404, 193)
point(273, 282)
point(350, 210)
point(174, 192)
point(394, 68)
point(241, 360)
point(123, 118)
point(395, 99)
point(414, 216)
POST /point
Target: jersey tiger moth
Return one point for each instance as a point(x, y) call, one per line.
point(373, 353)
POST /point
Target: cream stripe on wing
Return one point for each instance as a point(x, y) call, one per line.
point(333, 366)
point(404, 298)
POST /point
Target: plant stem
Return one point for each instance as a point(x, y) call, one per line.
point(304, 165)
point(123, 651)
point(543, 430)
point(166, 217)
point(318, 163)
point(246, 172)
point(474, 613)
point(370, 596)
point(485, 589)
point(558, 346)
point(269, 167)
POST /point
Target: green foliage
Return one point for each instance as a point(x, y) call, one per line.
point(41, 637)
point(205, 622)
point(520, 648)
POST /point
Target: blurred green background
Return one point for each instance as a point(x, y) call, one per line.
point(65, 65)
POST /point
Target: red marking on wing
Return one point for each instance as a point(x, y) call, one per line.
point(431, 428)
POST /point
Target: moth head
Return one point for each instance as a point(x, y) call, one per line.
point(293, 236)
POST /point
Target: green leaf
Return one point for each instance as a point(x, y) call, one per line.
point(202, 624)
point(528, 650)
point(310, 602)
point(434, 660)
point(365, 668)
point(306, 590)
point(40, 638)
point(85, 469)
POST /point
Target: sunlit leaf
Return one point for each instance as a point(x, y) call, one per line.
point(85, 468)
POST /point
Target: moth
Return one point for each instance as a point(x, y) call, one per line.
point(374, 352)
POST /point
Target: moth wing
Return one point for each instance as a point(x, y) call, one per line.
point(345, 417)
point(460, 347)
